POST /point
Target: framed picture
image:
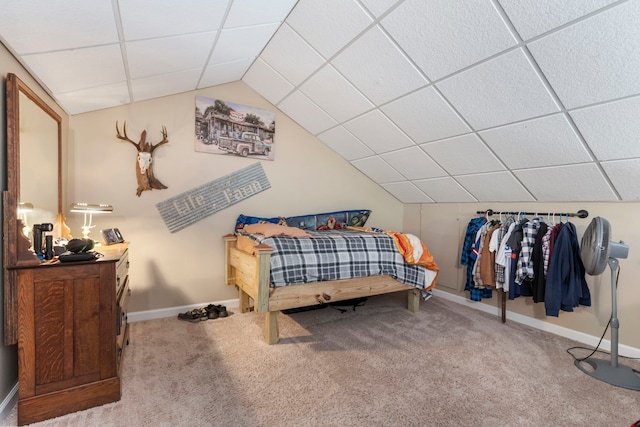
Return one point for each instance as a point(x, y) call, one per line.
point(223, 127)
point(112, 236)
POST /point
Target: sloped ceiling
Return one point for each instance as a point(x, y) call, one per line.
point(435, 100)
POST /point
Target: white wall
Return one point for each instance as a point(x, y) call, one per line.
point(442, 227)
point(186, 267)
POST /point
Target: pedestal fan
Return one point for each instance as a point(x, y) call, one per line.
point(596, 251)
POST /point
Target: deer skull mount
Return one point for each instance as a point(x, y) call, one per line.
point(144, 161)
point(144, 168)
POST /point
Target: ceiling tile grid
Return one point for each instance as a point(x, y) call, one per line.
point(438, 51)
point(444, 190)
point(544, 141)
point(435, 100)
point(463, 155)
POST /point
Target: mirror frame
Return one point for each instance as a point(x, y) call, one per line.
point(16, 245)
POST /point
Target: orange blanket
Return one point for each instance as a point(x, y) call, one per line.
point(406, 244)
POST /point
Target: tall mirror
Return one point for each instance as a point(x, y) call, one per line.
point(34, 184)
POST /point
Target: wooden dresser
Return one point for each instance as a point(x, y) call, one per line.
point(72, 331)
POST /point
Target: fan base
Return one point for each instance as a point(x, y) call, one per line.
point(620, 376)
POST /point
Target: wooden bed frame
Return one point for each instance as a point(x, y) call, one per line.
point(250, 274)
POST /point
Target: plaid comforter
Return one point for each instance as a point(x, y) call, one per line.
point(339, 254)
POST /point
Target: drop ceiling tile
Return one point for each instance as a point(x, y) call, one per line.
point(378, 7)
point(503, 90)
point(168, 54)
point(224, 73)
point(582, 182)
point(306, 113)
point(344, 143)
point(406, 192)
point(413, 163)
point(48, 26)
point(378, 68)
point(328, 25)
point(611, 130)
point(95, 66)
point(95, 98)
point(594, 60)
point(143, 19)
point(291, 56)
point(532, 18)
point(425, 32)
point(335, 95)
point(378, 170)
point(425, 116)
point(253, 12)
point(241, 43)
point(624, 175)
point(164, 84)
point(464, 154)
point(444, 190)
point(267, 82)
point(545, 141)
point(378, 132)
point(495, 187)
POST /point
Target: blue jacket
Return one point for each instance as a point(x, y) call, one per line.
point(566, 286)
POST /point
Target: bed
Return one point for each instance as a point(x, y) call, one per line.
point(266, 269)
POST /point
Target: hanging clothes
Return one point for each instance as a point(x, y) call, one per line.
point(566, 286)
point(504, 279)
point(524, 271)
point(537, 261)
point(468, 258)
point(515, 243)
point(488, 260)
point(501, 238)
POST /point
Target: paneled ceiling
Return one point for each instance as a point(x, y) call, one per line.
point(434, 100)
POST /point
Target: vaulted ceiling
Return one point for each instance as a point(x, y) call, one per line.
point(435, 100)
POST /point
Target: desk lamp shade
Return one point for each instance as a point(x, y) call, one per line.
point(88, 209)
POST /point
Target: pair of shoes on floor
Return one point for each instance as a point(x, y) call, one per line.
point(195, 315)
point(215, 311)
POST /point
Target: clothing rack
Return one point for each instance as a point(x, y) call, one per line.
point(580, 214)
point(489, 212)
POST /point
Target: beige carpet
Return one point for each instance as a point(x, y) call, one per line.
point(447, 365)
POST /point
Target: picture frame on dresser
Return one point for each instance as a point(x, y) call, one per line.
point(111, 236)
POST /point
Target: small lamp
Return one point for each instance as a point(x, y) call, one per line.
point(88, 209)
point(23, 209)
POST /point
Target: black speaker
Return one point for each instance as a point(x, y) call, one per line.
point(80, 245)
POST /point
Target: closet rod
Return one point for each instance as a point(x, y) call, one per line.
point(581, 213)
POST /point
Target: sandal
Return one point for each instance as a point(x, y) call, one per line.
point(195, 315)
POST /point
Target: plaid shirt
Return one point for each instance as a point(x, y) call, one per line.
point(525, 265)
point(546, 249)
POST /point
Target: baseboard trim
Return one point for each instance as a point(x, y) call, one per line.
point(589, 340)
point(138, 316)
point(9, 402)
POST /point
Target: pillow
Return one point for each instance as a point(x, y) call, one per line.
point(330, 220)
point(268, 229)
point(243, 220)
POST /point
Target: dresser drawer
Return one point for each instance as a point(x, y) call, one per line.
point(122, 272)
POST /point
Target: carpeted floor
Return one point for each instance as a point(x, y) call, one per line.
point(380, 365)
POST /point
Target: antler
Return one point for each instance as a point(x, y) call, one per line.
point(125, 137)
point(164, 140)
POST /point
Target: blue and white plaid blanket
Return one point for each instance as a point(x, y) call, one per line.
point(339, 254)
